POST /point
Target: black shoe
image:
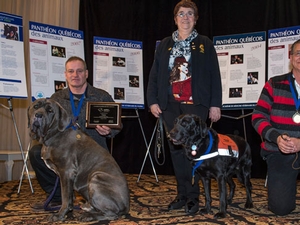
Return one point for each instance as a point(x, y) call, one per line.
point(177, 203)
point(192, 206)
point(41, 205)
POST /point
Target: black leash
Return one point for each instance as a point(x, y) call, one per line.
point(48, 200)
point(159, 142)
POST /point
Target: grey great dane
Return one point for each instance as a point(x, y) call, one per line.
point(81, 163)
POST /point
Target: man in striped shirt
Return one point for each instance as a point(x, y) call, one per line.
point(276, 118)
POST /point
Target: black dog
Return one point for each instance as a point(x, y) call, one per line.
point(80, 162)
point(211, 161)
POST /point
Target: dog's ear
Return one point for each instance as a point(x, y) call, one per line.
point(202, 126)
point(63, 120)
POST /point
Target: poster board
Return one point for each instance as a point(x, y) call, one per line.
point(12, 66)
point(279, 44)
point(50, 47)
point(118, 69)
point(242, 60)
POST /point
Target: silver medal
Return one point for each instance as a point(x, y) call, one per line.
point(296, 117)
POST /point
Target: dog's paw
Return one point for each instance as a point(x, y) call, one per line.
point(229, 201)
point(249, 205)
point(205, 211)
point(220, 215)
point(56, 217)
point(87, 218)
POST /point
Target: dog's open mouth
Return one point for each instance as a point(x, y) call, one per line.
point(176, 142)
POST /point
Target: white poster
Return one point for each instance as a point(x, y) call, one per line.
point(242, 65)
point(279, 44)
point(12, 66)
point(50, 47)
point(118, 70)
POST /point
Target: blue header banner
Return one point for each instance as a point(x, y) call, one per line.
point(57, 31)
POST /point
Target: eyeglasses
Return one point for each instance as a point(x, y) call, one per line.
point(79, 71)
point(297, 54)
point(188, 14)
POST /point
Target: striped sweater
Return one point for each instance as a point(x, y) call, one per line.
point(273, 113)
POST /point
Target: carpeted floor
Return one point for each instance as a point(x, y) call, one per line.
point(149, 200)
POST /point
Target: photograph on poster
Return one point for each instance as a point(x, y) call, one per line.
point(59, 85)
point(119, 61)
point(119, 93)
point(235, 92)
point(58, 51)
point(252, 78)
point(133, 81)
point(237, 59)
point(10, 32)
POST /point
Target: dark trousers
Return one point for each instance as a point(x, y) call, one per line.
point(181, 164)
point(282, 182)
point(44, 175)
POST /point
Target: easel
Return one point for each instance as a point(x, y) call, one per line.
point(147, 153)
point(242, 116)
point(10, 108)
point(145, 140)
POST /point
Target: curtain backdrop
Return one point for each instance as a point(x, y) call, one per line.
point(145, 21)
point(149, 21)
point(63, 13)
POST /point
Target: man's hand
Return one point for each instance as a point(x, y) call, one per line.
point(103, 130)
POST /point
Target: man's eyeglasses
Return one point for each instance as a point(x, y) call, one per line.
point(188, 14)
point(297, 54)
point(79, 71)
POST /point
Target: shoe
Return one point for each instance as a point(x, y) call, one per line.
point(40, 205)
point(177, 203)
point(192, 206)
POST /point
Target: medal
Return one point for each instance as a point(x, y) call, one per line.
point(296, 117)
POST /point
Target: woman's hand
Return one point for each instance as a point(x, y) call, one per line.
point(214, 114)
point(155, 110)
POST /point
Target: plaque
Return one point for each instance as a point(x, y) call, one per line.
point(104, 114)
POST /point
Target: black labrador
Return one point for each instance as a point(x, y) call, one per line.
point(214, 156)
point(80, 162)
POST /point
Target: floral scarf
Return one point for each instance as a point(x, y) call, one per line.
point(181, 47)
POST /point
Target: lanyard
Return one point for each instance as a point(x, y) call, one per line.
point(296, 100)
point(75, 110)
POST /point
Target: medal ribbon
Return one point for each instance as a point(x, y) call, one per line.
point(296, 100)
point(75, 110)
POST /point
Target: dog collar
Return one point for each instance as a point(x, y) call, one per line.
point(206, 152)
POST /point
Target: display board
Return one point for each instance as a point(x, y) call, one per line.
point(118, 69)
point(12, 66)
point(279, 45)
point(242, 60)
point(50, 47)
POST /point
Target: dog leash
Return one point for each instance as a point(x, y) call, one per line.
point(48, 200)
point(159, 146)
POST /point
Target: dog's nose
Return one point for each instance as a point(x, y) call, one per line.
point(38, 115)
